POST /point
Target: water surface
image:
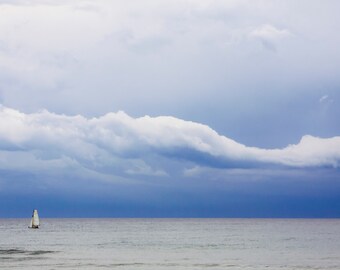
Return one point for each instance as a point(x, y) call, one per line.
point(171, 244)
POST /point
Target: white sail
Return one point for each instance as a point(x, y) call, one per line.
point(35, 220)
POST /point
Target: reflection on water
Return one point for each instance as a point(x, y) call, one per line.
point(171, 244)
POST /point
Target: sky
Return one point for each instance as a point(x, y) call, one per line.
point(190, 108)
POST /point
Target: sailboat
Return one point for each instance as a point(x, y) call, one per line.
point(34, 220)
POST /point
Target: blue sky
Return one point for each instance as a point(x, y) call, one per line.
point(170, 108)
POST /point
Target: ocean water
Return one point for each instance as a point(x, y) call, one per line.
point(171, 244)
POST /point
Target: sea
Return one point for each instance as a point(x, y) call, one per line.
point(170, 244)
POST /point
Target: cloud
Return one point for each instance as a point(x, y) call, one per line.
point(269, 32)
point(117, 144)
point(189, 59)
point(184, 54)
point(325, 99)
point(269, 35)
point(141, 168)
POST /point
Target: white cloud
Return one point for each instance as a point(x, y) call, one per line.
point(325, 99)
point(194, 59)
point(190, 172)
point(141, 168)
point(269, 35)
point(119, 144)
point(241, 174)
point(269, 32)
